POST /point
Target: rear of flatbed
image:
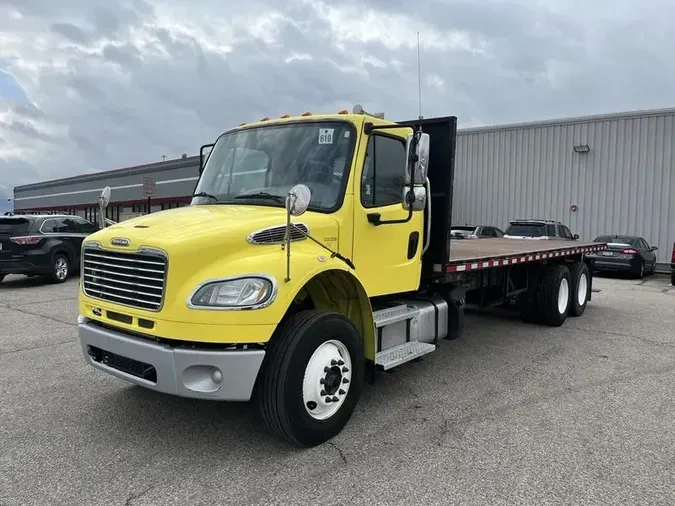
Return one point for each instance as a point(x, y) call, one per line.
point(475, 254)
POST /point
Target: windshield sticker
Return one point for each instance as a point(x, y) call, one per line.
point(326, 135)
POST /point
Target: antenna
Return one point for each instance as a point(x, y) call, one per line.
point(419, 81)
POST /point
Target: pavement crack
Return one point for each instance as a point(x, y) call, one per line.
point(25, 311)
point(445, 428)
point(133, 497)
point(2, 353)
point(620, 334)
point(339, 450)
point(444, 431)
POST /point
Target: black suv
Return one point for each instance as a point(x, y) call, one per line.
point(47, 245)
point(538, 229)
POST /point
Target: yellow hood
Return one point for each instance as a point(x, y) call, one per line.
point(201, 228)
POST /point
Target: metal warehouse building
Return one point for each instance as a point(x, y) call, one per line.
point(161, 185)
point(609, 174)
point(598, 174)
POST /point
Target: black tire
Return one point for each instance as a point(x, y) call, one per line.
point(578, 272)
point(2, 277)
point(640, 273)
point(672, 278)
point(280, 387)
point(60, 268)
point(551, 284)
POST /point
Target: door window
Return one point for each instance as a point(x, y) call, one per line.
point(383, 178)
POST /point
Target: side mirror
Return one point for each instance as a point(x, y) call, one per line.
point(415, 196)
point(202, 157)
point(103, 202)
point(417, 158)
point(105, 197)
point(576, 236)
point(653, 248)
point(298, 200)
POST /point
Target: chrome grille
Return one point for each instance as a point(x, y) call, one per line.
point(277, 235)
point(132, 279)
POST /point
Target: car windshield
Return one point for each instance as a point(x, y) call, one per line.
point(526, 229)
point(260, 165)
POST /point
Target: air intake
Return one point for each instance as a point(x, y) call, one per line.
point(276, 235)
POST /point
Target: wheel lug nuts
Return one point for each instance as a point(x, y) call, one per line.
point(322, 380)
point(342, 392)
point(341, 362)
point(333, 362)
point(323, 392)
point(328, 399)
point(326, 369)
point(335, 399)
point(344, 369)
point(345, 380)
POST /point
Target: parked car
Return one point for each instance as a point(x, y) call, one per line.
point(474, 232)
point(625, 253)
point(42, 245)
point(538, 229)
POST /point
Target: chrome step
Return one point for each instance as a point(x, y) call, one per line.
point(402, 353)
point(389, 315)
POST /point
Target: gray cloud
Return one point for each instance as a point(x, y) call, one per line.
point(123, 82)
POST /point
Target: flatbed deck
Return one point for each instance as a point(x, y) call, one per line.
point(467, 254)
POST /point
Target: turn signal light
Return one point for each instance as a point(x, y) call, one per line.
point(307, 113)
point(343, 111)
point(286, 116)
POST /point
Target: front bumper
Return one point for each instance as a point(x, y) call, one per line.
point(225, 375)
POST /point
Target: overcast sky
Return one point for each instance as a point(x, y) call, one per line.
point(88, 85)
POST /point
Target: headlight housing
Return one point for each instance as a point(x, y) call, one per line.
point(245, 292)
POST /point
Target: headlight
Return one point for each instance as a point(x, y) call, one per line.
point(235, 293)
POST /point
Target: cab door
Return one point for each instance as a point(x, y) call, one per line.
point(387, 256)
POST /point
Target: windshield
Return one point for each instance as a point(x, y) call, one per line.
point(260, 165)
point(526, 229)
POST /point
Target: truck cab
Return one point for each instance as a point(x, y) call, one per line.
point(265, 285)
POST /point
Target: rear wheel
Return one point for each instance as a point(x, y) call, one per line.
point(554, 295)
point(581, 288)
point(2, 276)
point(640, 272)
point(311, 378)
point(60, 268)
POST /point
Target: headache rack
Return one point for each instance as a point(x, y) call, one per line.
point(135, 279)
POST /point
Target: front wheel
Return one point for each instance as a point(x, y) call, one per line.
point(311, 378)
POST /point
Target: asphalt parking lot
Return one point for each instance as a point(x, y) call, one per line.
point(509, 414)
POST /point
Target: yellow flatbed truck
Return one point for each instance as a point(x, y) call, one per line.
point(316, 251)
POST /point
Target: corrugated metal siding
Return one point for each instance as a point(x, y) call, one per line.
point(625, 184)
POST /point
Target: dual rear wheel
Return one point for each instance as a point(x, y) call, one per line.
point(563, 291)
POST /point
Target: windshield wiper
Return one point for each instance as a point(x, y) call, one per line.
point(204, 194)
point(262, 195)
